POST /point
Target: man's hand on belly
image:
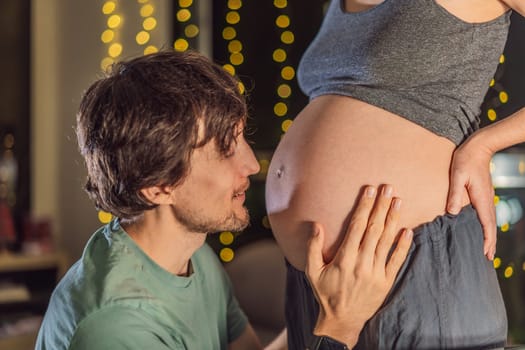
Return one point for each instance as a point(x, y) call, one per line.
point(352, 287)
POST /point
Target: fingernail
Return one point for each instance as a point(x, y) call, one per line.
point(387, 191)
point(397, 203)
point(370, 191)
point(408, 234)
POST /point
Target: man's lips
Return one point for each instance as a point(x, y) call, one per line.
point(240, 194)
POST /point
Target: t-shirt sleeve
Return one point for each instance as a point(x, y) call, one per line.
point(119, 328)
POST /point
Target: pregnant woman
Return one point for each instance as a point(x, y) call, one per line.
point(395, 91)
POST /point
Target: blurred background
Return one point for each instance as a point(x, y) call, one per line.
point(52, 50)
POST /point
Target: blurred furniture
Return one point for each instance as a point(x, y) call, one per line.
point(26, 284)
point(258, 276)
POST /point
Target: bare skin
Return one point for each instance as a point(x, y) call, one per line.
point(310, 157)
point(217, 202)
point(351, 287)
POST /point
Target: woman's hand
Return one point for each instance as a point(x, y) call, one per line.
point(470, 171)
point(352, 287)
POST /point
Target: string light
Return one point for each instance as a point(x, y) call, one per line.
point(104, 217)
point(501, 98)
point(110, 34)
point(234, 44)
point(149, 23)
point(226, 237)
point(236, 58)
point(187, 26)
point(281, 56)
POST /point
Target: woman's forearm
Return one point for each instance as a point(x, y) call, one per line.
point(504, 133)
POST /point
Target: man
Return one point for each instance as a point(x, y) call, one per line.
point(162, 137)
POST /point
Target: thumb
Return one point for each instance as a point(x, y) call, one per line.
point(314, 259)
point(455, 193)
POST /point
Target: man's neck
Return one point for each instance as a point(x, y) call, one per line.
point(164, 240)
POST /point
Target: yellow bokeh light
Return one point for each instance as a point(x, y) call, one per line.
point(229, 68)
point(142, 1)
point(150, 49)
point(287, 37)
point(523, 266)
point(284, 91)
point(264, 164)
point(505, 227)
point(287, 73)
point(191, 31)
point(521, 167)
point(236, 58)
point(183, 15)
point(185, 3)
point(106, 62)
point(234, 4)
point(280, 4)
point(492, 115)
point(509, 271)
point(146, 10)
point(226, 238)
point(142, 37)
point(115, 50)
point(226, 254)
point(241, 87)
point(502, 59)
point(282, 21)
point(503, 97)
point(497, 263)
point(234, 46)
point(233, 17)
point(229, 33)
point(496, 200)
point(492, 82)
point(104, 217)
point(181, 44)
point(280, 109)
point(149, 23)
point(286, 125)
point(108, 7)
point(114, 21)
point(266, 222)
point(107, 36)
point(279, 55)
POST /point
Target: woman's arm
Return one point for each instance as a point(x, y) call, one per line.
point(470, 170)
point(516, 5)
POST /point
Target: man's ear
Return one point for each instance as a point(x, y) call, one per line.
point(158, 194)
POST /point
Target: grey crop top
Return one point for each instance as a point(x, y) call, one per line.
point(410, 57)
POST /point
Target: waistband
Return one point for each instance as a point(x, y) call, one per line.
point(434, 230)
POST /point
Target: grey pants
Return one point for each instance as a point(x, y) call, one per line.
point(446, 295)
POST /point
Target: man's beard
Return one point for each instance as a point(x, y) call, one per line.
point(197, 223)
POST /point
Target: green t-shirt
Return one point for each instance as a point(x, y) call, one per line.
point(115, 297)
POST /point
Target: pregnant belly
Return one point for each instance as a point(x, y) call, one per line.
point(335, 146)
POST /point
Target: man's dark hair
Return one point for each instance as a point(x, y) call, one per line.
point(137, 126)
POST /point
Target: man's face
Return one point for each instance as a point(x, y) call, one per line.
point(211, 198)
